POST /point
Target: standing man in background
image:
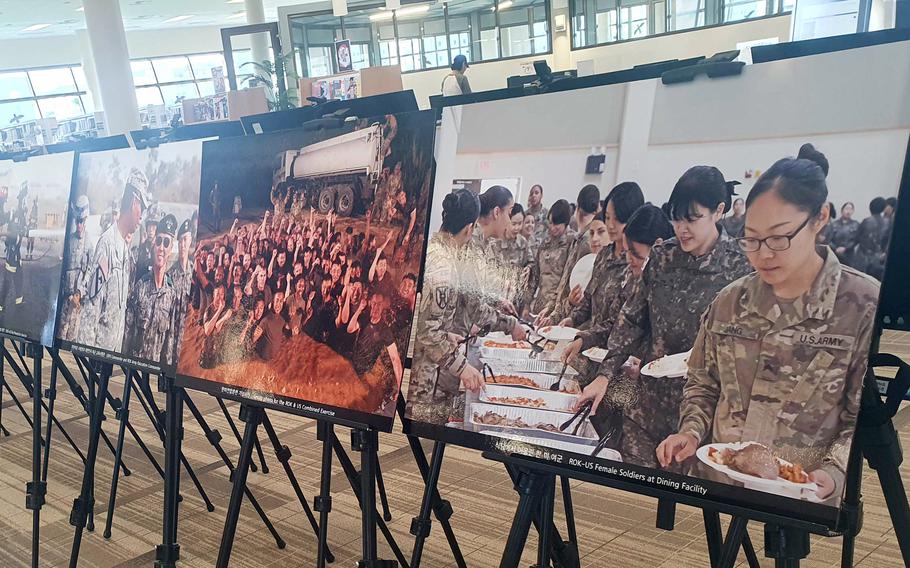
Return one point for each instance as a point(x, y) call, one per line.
point(456, 82)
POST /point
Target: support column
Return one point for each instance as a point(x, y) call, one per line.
point(112, 65)
point(259, 43)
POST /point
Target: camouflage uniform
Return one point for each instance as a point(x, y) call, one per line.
point(869, 250)
point(182, 280)
point(786, 375)
point(546, 272)
point(449, 303)
point(150, 320)
point(602, 300)
point(581, 245)
point(75, 280)
point(843, 233)
point(540, 214)
point(734, 225)
point(103, 311)
point(516, 254)
point(662, 318)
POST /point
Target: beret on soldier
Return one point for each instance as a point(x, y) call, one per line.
point(167, 225)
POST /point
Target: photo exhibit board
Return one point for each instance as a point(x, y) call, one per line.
point(33, 212)
point(309, 249)
point(693, 342)
point(127, 267)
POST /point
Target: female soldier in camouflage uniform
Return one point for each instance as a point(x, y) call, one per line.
point(551, 258)
point(781, 354)
point(842, 234)
point(609, 272)
point(681, 278)
point(514, 252)
point(450, 303)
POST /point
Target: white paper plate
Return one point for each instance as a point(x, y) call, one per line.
point(558, 332)
point(582, 272)
point(596, 354)
point(670, 366)
point(777, 486)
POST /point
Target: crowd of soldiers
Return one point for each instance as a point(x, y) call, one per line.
point(123, 296)
point(296, 272)
point(656, 273)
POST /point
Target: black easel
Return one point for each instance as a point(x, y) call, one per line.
point(232, 426)
point(86, 501)
point(325, 432)
point(155, 417)
point(36, 490)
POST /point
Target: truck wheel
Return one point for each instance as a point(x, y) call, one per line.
point(326, 200)
point(345, 201)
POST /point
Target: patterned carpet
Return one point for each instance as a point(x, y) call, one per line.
point(614, 528)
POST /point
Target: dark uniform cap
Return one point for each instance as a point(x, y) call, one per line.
point(167, 225)
point(185, 227)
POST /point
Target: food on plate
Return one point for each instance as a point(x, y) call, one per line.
point(595, 353)
point(669, 365)
point(506, 344)
point(757, 460)
point(490, 418)
point(518, 401)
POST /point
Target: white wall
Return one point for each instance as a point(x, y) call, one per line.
point(736, 124)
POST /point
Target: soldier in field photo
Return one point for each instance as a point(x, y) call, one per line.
point(125, 278)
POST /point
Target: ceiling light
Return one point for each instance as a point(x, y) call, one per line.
point(411, 10)
point(237, 16)
point(235, 1)
point(178, 19)
point(502, 5)
point(36, 27)
point(380, 16)
point(80, 9)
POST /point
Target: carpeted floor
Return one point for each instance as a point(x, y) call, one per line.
point(614, 528)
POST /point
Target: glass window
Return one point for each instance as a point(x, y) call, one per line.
point(15, 113)
point(170, 69)
point(81, 81)
point(686, 14)
point(319, 61)
point(148, 96)
point(61, 107)
point(633, 21)
point(743, 10)
point(173, 94)
point(142, 72)
point(14, 85)
point(203, 64)
point(54, 81)
point(206, 88)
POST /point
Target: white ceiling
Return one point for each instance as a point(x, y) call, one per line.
point(65, 18)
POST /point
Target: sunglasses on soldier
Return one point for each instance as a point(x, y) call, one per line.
point(162, 241)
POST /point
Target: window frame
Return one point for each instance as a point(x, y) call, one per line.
point(35, 98)
point(713, 13)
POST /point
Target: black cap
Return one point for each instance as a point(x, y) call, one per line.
point(185, 227)
point(167, 225)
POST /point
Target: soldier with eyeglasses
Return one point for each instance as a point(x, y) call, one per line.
point(781, 354)
point(152, 303)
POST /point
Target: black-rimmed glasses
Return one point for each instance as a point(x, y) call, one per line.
point(776, 243)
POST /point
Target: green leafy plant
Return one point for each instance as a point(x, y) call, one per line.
point(265, 72)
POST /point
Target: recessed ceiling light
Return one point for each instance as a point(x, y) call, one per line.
point(237, 16)
point(80, 9)
point(36, 27)
point(235, 1)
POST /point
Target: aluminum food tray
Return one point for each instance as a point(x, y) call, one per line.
point(521, 366)
point(555, 401)
point(531, 416)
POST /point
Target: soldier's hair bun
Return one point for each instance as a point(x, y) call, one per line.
point(799, 181)
point(459, 209)
point(808, 152)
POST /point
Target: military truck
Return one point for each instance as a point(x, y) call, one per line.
point(340, 173)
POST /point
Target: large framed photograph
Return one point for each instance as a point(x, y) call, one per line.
point(33, 211)
point(127, 267)
point(305, 273)
point(694, 315)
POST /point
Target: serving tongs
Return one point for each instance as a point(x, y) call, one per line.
point(581, 415)
point(537, 347)
point(487, 369)
point(555, 386)
point(602, 443)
